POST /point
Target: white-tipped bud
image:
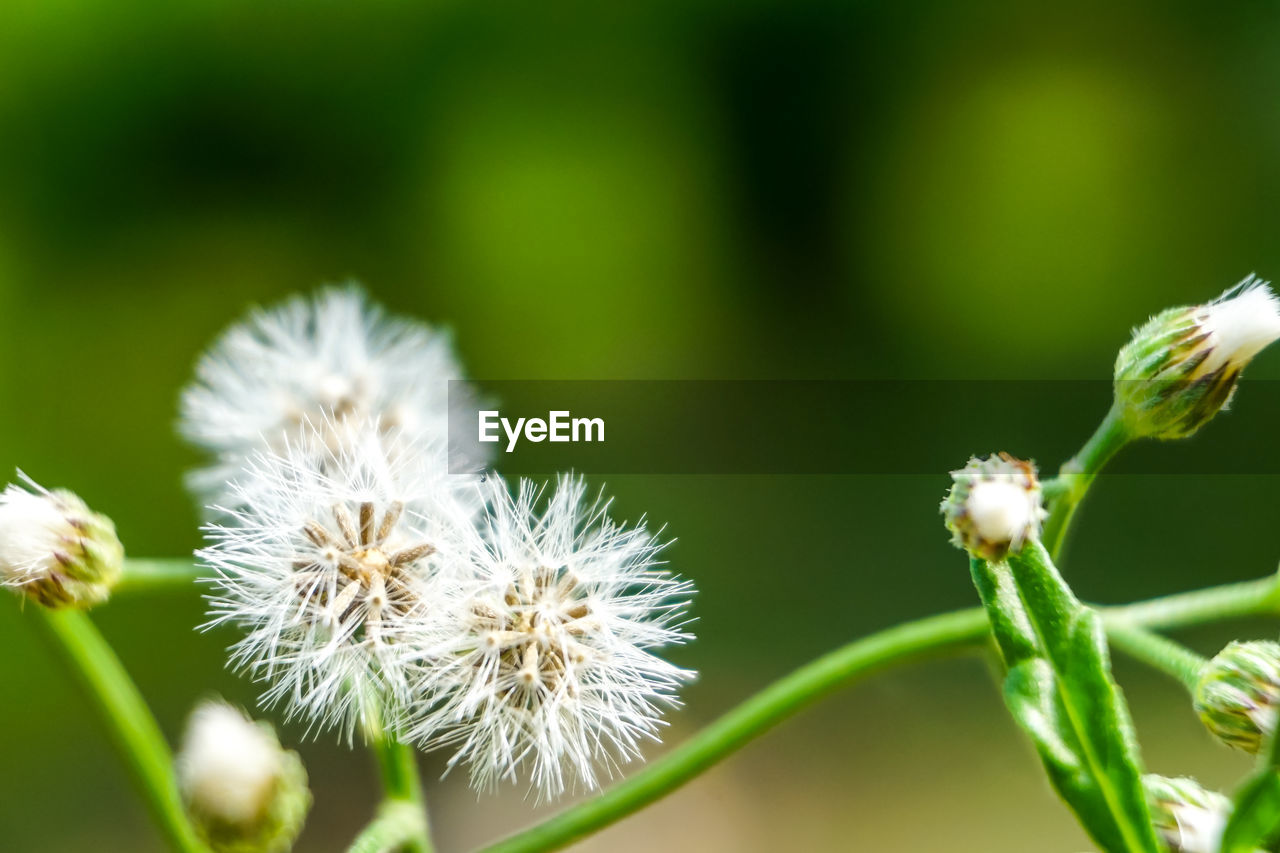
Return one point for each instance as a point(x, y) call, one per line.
point(1188, 817)
point(54, 549)
point(994, 507)
point(1181, 367)
point(244, 793)
point(1238, 694)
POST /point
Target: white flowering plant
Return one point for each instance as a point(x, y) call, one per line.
point(382, 600)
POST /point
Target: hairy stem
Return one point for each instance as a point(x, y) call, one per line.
point(1077, 474)
point(1171, 658)
point(934, 635)
point(125, 713)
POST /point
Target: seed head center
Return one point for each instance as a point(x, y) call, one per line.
point(358, 574)
point(535, 635)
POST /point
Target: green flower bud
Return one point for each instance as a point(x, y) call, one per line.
point(1189, 818)
point(245, 793)
point(54, 549)
point(994, 506)
point(1181, 367)
point(1238, 693)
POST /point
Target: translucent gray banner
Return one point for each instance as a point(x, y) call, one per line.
point(827, 427)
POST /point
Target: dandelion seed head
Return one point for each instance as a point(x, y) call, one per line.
point(330, 361)
point(548, 664)
point(330, 563)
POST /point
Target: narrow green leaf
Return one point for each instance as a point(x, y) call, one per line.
point(1256, 817)
point(1060, 691)
point(1255, 820)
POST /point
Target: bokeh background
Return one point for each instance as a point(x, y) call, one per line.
point(691, 189)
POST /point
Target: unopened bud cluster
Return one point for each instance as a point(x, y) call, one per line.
point(1181, 367)
point(994, 506)
point(1238, 694)
point(56, 550)
point(245, 793)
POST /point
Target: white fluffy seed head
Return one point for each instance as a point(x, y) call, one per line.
point(547, 662)
point(54, 549)
point(328, 360)
point(329, 563)
point(228, 766)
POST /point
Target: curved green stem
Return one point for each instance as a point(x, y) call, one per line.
point(145, 575)
point(934, 635)
point(750, 720)
point(402, 822)
point(1077, 474)
point(125, 713)
point(1173, 659)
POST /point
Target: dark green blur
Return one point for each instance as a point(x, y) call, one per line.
point(696, 189)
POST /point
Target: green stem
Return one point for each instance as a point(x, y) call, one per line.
point(1160, 652)
point(1077, 474)
point(402, 822)
point(144, 575)
point(125, 713)
point(397, 825)
point(933, 635)
point(1212, 604)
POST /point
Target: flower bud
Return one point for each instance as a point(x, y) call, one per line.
point(244, 793)
point(994, 506)
point(56, 550)
point(1238, 694)
point(1183, 365)
point(1188, 818)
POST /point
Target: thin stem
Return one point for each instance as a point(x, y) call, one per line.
point(751, 719)
point(1078, 473)
point(144, 575)
point(934, 635)
point(397, 825)
point(402, 822)
point(1201, 606)
point(125, 713)
point(1173, 659)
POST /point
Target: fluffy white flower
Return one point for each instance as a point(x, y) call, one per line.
point(227, 766)
point(330, 562)
point(54, 549)
point(548, 663)
point(242, 790)
point(330, 359)
point(1237, 325)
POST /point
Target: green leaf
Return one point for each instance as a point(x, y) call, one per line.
point(1256, 817)
point(1255, 820)
point(1060, 691)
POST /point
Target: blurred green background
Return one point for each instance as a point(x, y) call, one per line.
point(693, 189)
